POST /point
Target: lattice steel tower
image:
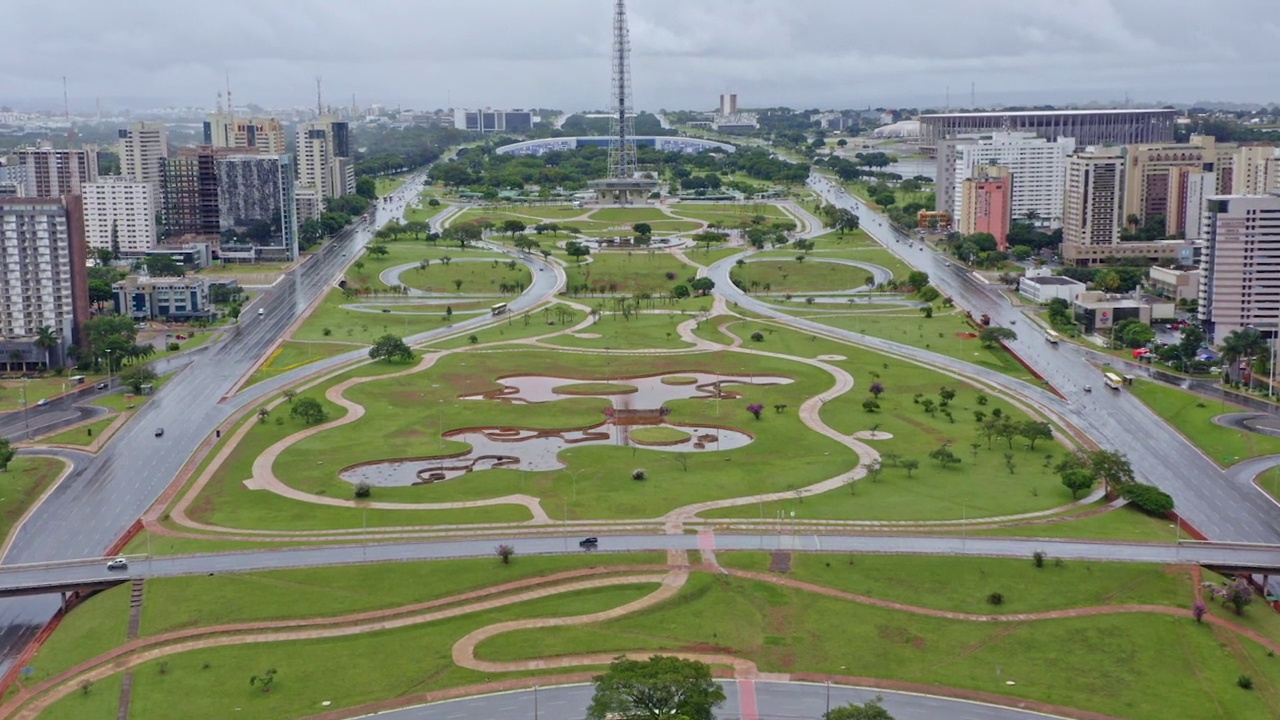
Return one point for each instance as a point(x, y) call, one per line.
point(622, 146)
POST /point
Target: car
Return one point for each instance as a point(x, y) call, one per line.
point(42, 402)
point(261, 312)
point(101, 386)
point(590, 543)
point(1088, 388)
point(160, 432)
point(118, 564)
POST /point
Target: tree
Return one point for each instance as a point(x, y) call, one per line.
point(504, 552)
point(870, 405)
point(576, 250)
point(1244, 343)
point(1110, 467)
point(643, 229)
point(993, 336)
point(378, 250)
point(703, 285)
point(1059, 311)
point(264, 681)
point(1189, 344)
point(918, 279)
point(161, 265)
point(137, 376)
point(310, 233)
point(1033, 431)
point(1078, 480)
point(1148, 498)
point(845, 220)
point(910, 466)
point(46, 340)
point(389, 347)
point(367, 188)
point(876, 388)
point(513, 227)
point(7, 453)
point(1235, 593)
point(309, 411)
point(944, 456)
point(872, 710)
point(658, 688)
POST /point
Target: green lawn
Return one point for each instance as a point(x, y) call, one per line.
point(24, 482)
point(548, 319)
point(406, 252)
point(94, 627)
point(426, 212)
point(179, 603)
point(729, 215)
point(980, 486)
point(1106, 664)
point(101, 701)
point(465, 276)
point(639, 333)
point(409, 413)
point(843, 240)
point(1193, 416)
point(333, 322)
point(293, 354)
point(37, 389)
point(1125, 524)
point(629, 272)
point(84, 435)
point(1269, 481)
point(791, 276)
point(385, 185)
point(629, 216)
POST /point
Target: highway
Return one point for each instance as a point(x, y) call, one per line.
point(13, 578)
point(1223, 507)
point(103, 495)
point(772, 700)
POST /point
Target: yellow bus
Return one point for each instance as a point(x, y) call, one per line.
point(1113, 380)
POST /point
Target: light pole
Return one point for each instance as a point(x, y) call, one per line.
point(26, 427)
point(828, 699)
point(573, 477)
point(109, 373)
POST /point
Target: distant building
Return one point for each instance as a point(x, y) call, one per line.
point(729, 104)
point(184, 298)
point(1087, 127)
point(1175, 283)
point(1038, 170)
point(189, 192)
point(44, 263)
point(495, 121)
point(663, 143)
point(16, 176)
point(189, 256)
point(1044, 288)
point(1098, 312)
point(1257, 171)
point(1240, 265)
point(1156, 176)
point(728, 118)
point(120, 215)
point(143, 148)
point(264, 135)
point(256, 200)
point(53, 173)
point(985, 203)
point(324, 158)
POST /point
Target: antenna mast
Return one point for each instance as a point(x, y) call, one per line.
point(319, 101)
point(66, 99)
point(622, 147)
point(231, 107)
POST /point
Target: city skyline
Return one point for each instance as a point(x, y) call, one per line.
point(392, 52)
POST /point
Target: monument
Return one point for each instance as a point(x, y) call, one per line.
point(623, 186)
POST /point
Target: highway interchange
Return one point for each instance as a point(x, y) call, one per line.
point(104, 494)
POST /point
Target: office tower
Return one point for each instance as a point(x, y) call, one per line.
point(1240, 265)
point(986, 199)
point(189, 192)
point(324, 158)
point(44, 268)
point(120, 215)
point(53, 173)
point(143, 147)
point(729, 104)
point(1155, 176)
point(1038, 168)
point(494, 121)
point(256, 201)
point(1257, 170)
point(1093, 207)
point(265, 135)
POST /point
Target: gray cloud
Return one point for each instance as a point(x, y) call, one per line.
point(431, 53)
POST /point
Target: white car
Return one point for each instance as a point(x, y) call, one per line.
point(118, 564)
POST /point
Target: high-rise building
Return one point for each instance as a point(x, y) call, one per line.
point(189, 192)
point(324, 158)
point(1257, 170)
point(1038, 168)
point(1199, 187)
point(256, 200)
point(143, 147)
point(729, 104)
point(985, 202)
point(15, 176)
point(53, 173)
point(1093, 207)
point(1240, 265)
point(120, 215)
point(494, 121)
point(44, 268)
point(1153, 172)
point(265, 135)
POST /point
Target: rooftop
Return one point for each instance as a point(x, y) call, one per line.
point(1052, 280)
point(1020, 113)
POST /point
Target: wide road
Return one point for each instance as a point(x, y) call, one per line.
point(1220, 506)
point(95, 570)
point(98, 501)
point(772, 700)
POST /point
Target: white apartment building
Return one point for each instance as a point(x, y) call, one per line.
point(120, 215)
point(53, 173)
point(1257, 171)
point(43, 274)
point(1240, 265)
point(324, 160)
point(1093, 207)
point(143, 146)
point(1037, 166)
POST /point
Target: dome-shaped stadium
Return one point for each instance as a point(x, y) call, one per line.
point(901, 130)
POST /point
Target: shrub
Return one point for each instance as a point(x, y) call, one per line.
point(757, 336)
point(995, 598)
point(505, 552)
point(1148, 498)
point(638, 474)
point(473, 339)
point(172, 347)
point(326, 332)
point(755, 409)
point(1245, 682)
point(1038, 557)
point(363, 490)
point(1198, 610)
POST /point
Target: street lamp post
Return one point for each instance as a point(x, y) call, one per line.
point(26, 427)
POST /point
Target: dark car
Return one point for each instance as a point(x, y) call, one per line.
point(159, 432)
point(102, 386)
point(590, 543)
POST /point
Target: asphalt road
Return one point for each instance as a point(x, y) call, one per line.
point(774, 701)
point(79, 571)
point(105, 494)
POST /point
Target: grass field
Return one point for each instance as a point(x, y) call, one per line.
point(405, 252)
point(83, 436)
point(293, 354)
point(24, 482)
point(1105, 664)
point(639, 333)
point(629, 272)
point(385, 185)
point(728, 214)
point(37, 389)
point(629, 216)
point(348, 325)
point(425, 213)
point(1193, 416)
point(1124, 524)
point(1269, 481)
point(789, 275)
point(98, 625)
point(465, 276)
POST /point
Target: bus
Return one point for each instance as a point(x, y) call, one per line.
point(1052, 337)
point(498, 309)
point(1112, 380)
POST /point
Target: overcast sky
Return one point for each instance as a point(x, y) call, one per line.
point(554, 53)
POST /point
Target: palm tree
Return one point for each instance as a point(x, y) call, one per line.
point(1244, 343)
point(47, 340)
point(15, 356)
